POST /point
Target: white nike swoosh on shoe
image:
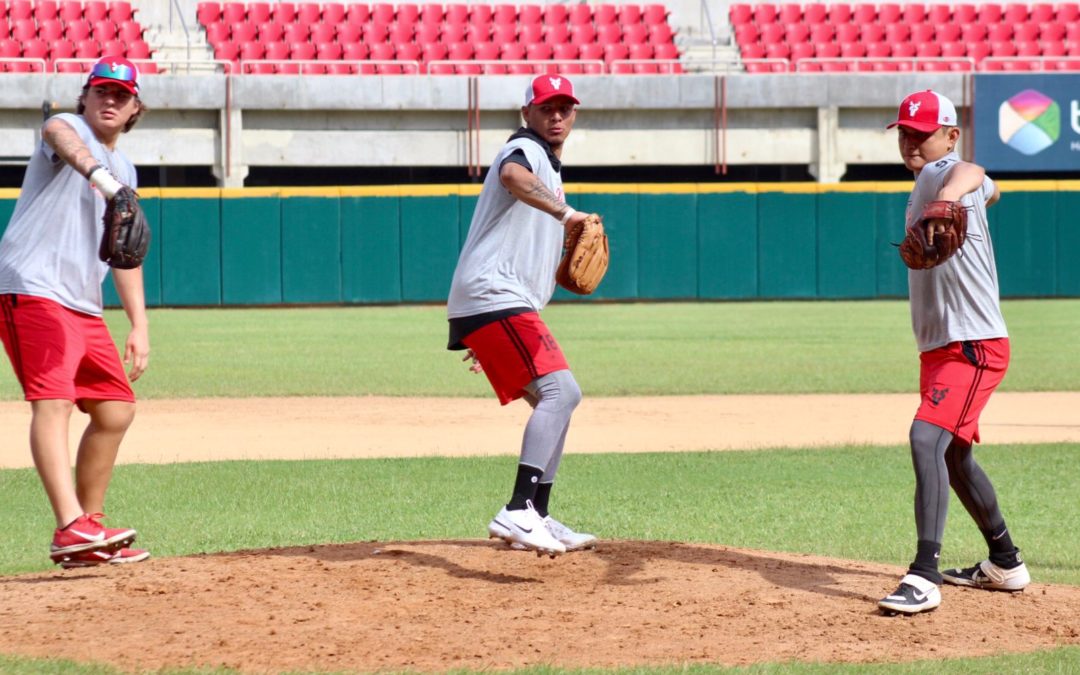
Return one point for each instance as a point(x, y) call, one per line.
point(89, 537)
point(921, 596)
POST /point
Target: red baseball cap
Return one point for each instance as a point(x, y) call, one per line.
point(115, 70)
point(547, 87)
point(925, 111)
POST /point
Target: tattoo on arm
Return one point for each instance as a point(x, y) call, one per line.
point(540, 191)
point(67, 145)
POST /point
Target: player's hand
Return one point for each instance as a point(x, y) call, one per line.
point(137, 352)
point(475, 367)
point(934, 227)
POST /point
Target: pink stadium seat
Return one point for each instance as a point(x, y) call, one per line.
point(374, 33)
point(903, 50)
point(284, 12)
point(1068, 64)
point(580, 14)
point(889, 12)
point(241, 32)
point(223, 51)
point(50, 29)
point(478, 32)
point(308, 13)
point(842, 12)
point(453, 32)
point(35, 49)
point(91, 49)
point(847, 33)
point(530, 33)
point(407, 13)
point(747, 33)
point(70, 10)
point(502, 33)
point(616, 52)
point(913, 12)
point(61, 49)
point(435, 51)
point(853, 50)
point(977, 50)
point(765, 12)
point(869, 33)
point(794, 32)
point(565, 52)
point(252, 51)
point(927, 50)
point(401, 33)
point(964, 13)
point(432, 14)
point(20, 9)
point(790, 12)
point(582, 34)
point(740, 13)
point(1028, 49)
point(78, 29)
point(1015, 12)
point(629, 15)
point(456, 13)
point(539, 52)
point(1002, 49)
point(257, 67)
point(328, 51)
point(301, 51)
point(46, 10)
point(934, 66)
point(258, 12)
point(939, 14)
point(654, 14)
point(138, 49)
point(504, 14)
point(120, 11)
point(277, 51)
point(879, 50)
point(953, 49)
point(481, 13)
point(609, 33)
point(1041, 12)
point(989, 12)
point(357, 14)
point(118, 47)
point(24, 29)
point(815, 12)
point(1027, 31)
point(428, 33)
point(72, 67)
point(95, 10)
point(555, 14)
point(1072, 33)
point(1052, 31)
point(922, 32)
point(947, 32)
point(106, 30)
point(1000, 32)
point(638, 33)
point(1067, 12)
point(355, 51)
point(333, 13)
point(829, 50)
point(297, 32)
point(130, 31)
point(207, 13)
point(605, 14)
point(271, 31)
point(322, 33)
point(754, 51)
point(780, 50)
point(233, 12)
point(974, 31)
point(486, 51)
point(821, 33)
point(1053, 48)
point(511, 51)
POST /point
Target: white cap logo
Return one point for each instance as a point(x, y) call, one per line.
point(913, 108)
point(556, 82)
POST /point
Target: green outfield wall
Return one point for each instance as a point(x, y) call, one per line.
point(357, 245)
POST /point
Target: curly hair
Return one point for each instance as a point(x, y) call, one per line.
point(80, 108)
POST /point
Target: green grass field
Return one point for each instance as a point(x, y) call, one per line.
point(769, 500)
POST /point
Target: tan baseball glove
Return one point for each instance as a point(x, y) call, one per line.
point(940, 232)
point(585, 256)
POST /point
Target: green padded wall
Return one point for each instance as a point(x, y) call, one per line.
point(430, 232)
point(846, 245)
point(370, 249)
point(190, 249)
point(787, 245)
point(251, 252)
point(311, 249)
point(727, 248)
point(667, 250)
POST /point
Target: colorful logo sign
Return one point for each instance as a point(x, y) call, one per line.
point(1029, 122)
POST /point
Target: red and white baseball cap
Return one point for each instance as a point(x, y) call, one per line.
point(547, 87)
point(925, 111)
point(115, 70)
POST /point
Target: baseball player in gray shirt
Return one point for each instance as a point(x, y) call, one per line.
point(964, 353)
point(505, 275)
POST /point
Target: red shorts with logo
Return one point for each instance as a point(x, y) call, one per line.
point(58, 353)
point(515, 351)
point(956, 382)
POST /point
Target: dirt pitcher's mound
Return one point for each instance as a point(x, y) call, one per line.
point(431, 606)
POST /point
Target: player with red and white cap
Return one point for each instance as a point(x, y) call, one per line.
point(964, 353)
point(51, 310)
point(505, 275)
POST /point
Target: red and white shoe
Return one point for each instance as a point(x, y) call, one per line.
point(95, 558)
point(85, 534)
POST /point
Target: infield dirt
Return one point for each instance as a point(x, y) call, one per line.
point(439, 605)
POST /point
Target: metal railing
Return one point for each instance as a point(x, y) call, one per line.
point(156, 66)
point(515, 67)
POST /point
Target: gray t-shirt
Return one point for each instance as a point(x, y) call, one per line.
point(512, 251)
point(50, 246)
point(957, 300)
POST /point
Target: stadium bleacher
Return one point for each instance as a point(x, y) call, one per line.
point(840, 37)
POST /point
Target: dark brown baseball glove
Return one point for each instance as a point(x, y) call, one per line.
point(585, 256)
point(127, 234)
point(939, 233)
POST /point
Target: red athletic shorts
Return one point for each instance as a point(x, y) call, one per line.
point(58, 353)
point(956, 382)
point(514, 352)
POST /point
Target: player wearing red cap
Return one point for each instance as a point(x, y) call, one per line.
point(964, 353)
point(505, 275)
point(51, 304)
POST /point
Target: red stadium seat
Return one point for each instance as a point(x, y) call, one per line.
point(401, 33)
point(456, 13)
point(639, 52)
point(23, 30)
point(789, 13)
point(580, 14)
point(821, 33)
point(333, 13)
point(504, 14)
point(1028, 49)
point(765, 12)
point(740, 13)
point(794, 32)
point(256, 67)
point(20, 9)
point(453, 32)
point(922, 32)
point(903, 50)
point(138, 49)
point(565, 52)
point(666, 51)
point(934, 66)
point(1053, 48)
point(1027, 31)
point(355, 51)
point(843, 13)
point(258, 12)
point(105, 30)
point(120, 11)
point(539, 52)
point(989, 13)
point(609, 33)
point(328, 51)
point(1015, 12)
point(1052, 31)
point(754, 51)
point(486, 51)
point(241, 32)
point(512, 51)
point(277, 51)
point(1041, 12)
point(927, 50)
point(1067, 12)
point(977, 50)
point(322, 33)
point(207, 13)
point(270, 31)
point(747, 33)
point(879, 50)
point(79, 29)
point(869, 33)
point(973, 32)
point(95, 10)
point(478, 32)
point(939, 14)
point(1002, 49)
point(252, 51)
point(428, 33)
point(46, 10)
point(481, 13)
point(582, 34)
point(283, 12)
point(1071, 65)
point(435, 51)
point(847, 33)
point(913, 12)
point(780, 50)
point(61, 49)
point(604, 14)
point(660, 33)
point(629, 14)
point(115, 47)
point(897, 32)
point(953, 49)
point(407, 13)
point(308, 13)
point(616, 52)
point(853, 50)
point(374, 33)
point(233, 12)
point(964, 13)
point(502, 33)
point(1000, 32)
point(130, 31)
point(654, 14)
point(223, 51)
point(70, 10)
point(555, 14)
point(89, 49)
point(72, 67)
point(890, 12)
point(815, 12)
point(50, 29)
point(297, 32)
point(357, 14)
point(638, 33)
point(829, 50)
point(530, 33)
point(301, 51)
point(432, 14)
point(947, 32)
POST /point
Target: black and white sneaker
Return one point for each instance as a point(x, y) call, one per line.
point(915, 594)
point(988, 576)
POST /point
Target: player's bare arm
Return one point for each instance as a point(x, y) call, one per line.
point(129, 287)
point(67, 145)
point(963, 179)
point(526, 187)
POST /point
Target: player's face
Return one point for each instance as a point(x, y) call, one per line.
point(919, 148)
point(553, 119)
point(109, 107)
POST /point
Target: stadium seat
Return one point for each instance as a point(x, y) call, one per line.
point(925, 50)
point(1052, 31)
point(869, 33)
point(504, 14)
point(478, 32)
point(333, 13)
point(847, 33)
point(853, 50)
point(23, 30)
point(120, 11)
point(138, 49)
point(252, 51)
point(297, 32)
point(580, 14)
point(374, 33)
point(780, 50)
point(50, 29)
point(973, 32)
point(505, 32)
point(889, 12)
point(604, 14)
point(1027, 31)
point(939, 14)
point(401, 33)
point(609, 33)
point(357, 14)
point(922, 32)
point(301, 51)
point(953, 49)
point(947, 32)
point(1041, 12)
point(233, 12)
point(91, 49)
point(764, 13)
point(582, 34)
point(216, 33)
point(283, 12)
point(934, 66)
point(821, 33)
point(78, 29)
point(554, 14)
point(322, 33)
point(843, 13)
point(1000, 32)
point(307, 13)
point(1028, 49)
point(207, 13)
point(740, 14)
point(794, 32)
point(432, 14)
point(1067, 12)
point(481, 13)
point(539, 52)
point(241, 32)
point(1071, 65)
point(10, 49)
point(913, 12)
point(20, 9)
point(328, 51)
point(270, 31)
point(879, 50)
point(70, 10)
point(407, 13)
point(130, 31)
point(428, 33)
point(530, 33)
point(355, 51)
point(754, 51)
point(114, 47)
point(72, 67)
point(667, 51)
point(790, 13)
point(629, 14)
point(660, 33)
point(901, 50)
point(257, 67)
point(258, 12)
point(829, 50)
point(638, 33)
point(815, 13)
point(435, 51)
point(654, 14)
point(512, 51)
point(964, 13)
point(223, 51)
point(1002, 49)
point(747, 33)
point(456, 14)
point(453, 32)
point(1014, 12)
point(46, 10)
point(61, 49)
point(977, 50)
point(106, 30)
point(1053, 48)
point(616, 52)
point(989, 13)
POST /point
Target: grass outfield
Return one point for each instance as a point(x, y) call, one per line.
point(615, 350)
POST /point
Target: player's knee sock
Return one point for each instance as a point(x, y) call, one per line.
point(928, 445)
point(543, 495)
point(977, 494)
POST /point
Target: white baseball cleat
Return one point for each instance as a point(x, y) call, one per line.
point(526, 529)
point(989, 576)
point(914, 595)
point(573, 541)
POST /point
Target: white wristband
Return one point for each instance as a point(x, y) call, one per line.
point(104, 181)
point(567, 216)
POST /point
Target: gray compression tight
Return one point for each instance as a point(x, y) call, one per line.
point(553, 398)
point(941, 462)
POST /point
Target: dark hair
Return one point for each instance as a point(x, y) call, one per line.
point(81, 107)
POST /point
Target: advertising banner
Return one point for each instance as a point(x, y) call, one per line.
point(1028, 122)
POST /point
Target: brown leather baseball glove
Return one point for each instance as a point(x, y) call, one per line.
point(127, 234)
point(585, 256)
point(940, 232)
